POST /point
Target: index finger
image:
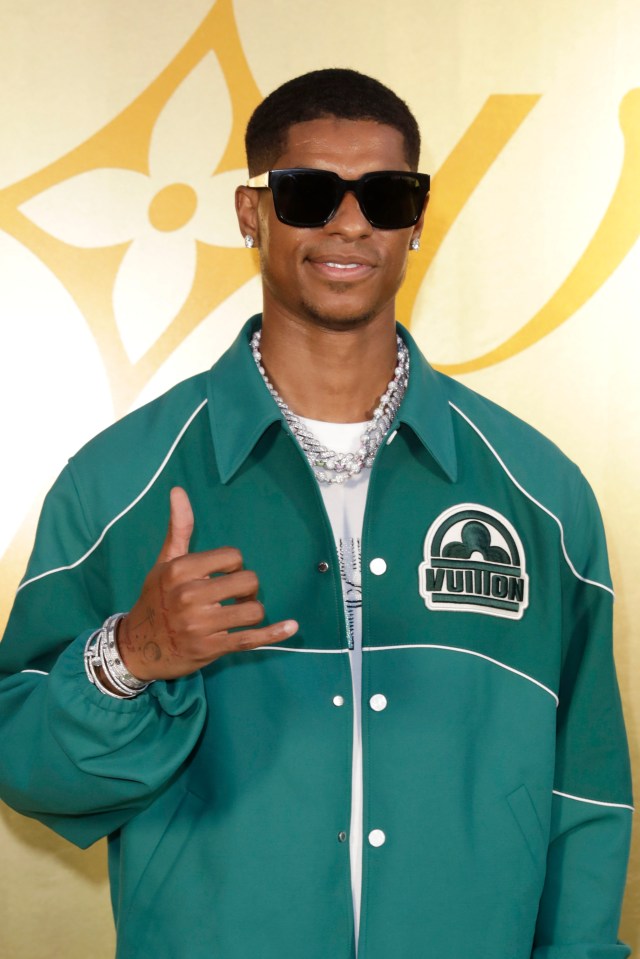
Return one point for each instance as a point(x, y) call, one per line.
point(224, 559)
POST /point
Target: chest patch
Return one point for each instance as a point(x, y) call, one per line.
point(474, 561)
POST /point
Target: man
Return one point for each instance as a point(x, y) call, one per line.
point(363, 692)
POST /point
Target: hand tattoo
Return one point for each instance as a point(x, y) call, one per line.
point(151, 652)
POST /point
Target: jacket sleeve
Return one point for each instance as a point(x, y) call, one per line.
point(80, 761)
point(592, 802)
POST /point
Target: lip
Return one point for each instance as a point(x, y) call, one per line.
point(341, 266)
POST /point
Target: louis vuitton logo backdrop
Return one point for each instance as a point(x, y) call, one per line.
point(122, 268)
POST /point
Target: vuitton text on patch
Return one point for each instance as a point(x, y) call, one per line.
point(474, 561)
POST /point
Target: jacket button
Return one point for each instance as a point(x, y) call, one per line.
point(378, 566)
point(338, 700)
point(377, 837)
point(342, 836)
point(323, 567)
point(378, 702)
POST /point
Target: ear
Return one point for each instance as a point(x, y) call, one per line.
point(247, 210)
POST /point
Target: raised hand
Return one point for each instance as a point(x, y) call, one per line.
point(178, 623)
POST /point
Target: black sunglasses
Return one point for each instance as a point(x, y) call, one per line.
point(389, 199)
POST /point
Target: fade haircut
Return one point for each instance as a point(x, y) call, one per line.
point(344, 94)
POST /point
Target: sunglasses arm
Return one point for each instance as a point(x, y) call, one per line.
point(257, 182)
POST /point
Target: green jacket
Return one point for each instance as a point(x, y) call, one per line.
point(498, 771)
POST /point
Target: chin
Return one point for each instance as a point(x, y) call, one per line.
point(338, 319)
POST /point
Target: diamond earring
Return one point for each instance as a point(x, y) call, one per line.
point(415, 243)
point(248, 241)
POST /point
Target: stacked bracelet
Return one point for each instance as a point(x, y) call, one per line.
point(101, 651)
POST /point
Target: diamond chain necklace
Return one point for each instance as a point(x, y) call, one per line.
point(328, 465)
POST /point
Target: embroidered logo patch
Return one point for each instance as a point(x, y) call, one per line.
point(474, 562)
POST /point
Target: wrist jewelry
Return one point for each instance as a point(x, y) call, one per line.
point(101, 651)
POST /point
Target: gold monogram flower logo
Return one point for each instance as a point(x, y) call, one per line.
point(162, 215)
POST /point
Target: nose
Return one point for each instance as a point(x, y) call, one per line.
point(349, 219)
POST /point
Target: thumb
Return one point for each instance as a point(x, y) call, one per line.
point(180, 526)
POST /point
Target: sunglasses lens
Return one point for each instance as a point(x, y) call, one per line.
point(392, 201)
point(309, 198)
point(305, 199)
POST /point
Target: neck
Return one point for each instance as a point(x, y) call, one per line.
point(332, 375)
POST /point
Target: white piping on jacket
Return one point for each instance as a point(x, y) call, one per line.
point(289, 649)
point(133, 503)
point(594, 802)
point(469, 652)
point(450, 649)
point(590, 582)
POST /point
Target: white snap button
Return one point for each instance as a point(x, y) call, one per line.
point(378, 566)
point(338, 700)
point(377, 837)
point(378, 702)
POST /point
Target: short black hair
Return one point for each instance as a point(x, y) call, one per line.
point(344, 94)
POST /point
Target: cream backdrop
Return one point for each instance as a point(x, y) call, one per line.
point(121, 267)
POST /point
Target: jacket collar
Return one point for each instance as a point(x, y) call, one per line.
point(241, 408)
point(425, 408)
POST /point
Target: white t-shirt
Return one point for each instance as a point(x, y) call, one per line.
point(345, 504)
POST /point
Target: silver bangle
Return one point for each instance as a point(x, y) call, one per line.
point(93, 660)
point(115, 668)
point(101, 651)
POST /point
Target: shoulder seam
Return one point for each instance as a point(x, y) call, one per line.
point(589, 582)
point(112, 522)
